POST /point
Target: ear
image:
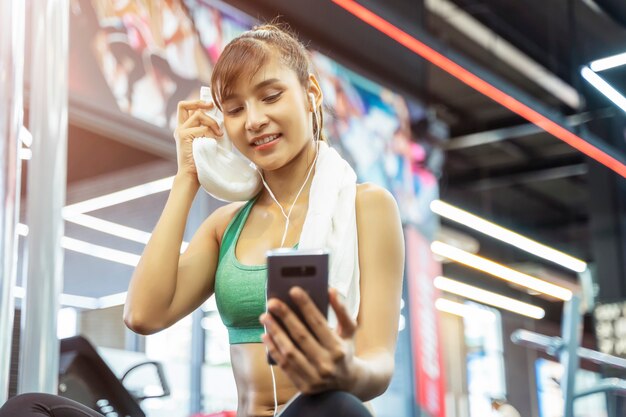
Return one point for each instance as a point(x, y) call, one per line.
point(314, 93)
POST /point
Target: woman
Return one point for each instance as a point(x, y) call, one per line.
point(262, 83)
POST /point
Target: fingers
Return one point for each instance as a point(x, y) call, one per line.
point(311, 364)
point(193, 132)
point(297, 330)
point(296, 377)
point(347, 326)
point(284, 352)
point(314, 318)
point(199, 118)
point(186, 108)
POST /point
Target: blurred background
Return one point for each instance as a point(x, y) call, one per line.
point(499, 126)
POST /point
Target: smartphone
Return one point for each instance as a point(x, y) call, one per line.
point(307, 269)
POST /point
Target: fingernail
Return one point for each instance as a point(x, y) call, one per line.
point(298, 293)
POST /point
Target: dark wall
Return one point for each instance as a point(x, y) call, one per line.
point(338, 34)
point(519, 363)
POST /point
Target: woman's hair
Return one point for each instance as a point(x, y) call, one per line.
point(247, 53)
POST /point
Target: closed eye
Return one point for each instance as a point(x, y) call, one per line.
point(234, 111)
point(272, 98)
point(267, 99)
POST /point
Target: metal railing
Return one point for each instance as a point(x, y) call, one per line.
point(567, 348)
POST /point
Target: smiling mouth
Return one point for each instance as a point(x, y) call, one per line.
point(266, 140)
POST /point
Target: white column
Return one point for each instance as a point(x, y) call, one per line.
point(202, 206)
point(11, 110)
point(39, 358)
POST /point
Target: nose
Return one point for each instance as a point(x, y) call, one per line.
point(256, 119)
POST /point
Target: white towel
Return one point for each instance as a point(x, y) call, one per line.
point(331, 223)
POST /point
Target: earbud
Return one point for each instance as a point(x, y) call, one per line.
point(312, 101)
point(314, 111)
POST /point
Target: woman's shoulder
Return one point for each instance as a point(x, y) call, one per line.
point(375, 204)
point(223, 215)
point(369, 194)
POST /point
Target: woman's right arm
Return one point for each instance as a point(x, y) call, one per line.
point(166, 286)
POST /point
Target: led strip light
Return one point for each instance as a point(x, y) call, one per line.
point(608, 62)
point(604, 87)
point(74, 213)
point(119, 197)
point(500, 271)
point(463, 310)
point(91, 249)
point(505, 235)
point(488, 297)
point(481, 85)
point(79, 301)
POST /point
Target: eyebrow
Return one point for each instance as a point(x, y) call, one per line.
point(257, 87)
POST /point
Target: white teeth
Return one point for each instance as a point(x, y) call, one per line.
point(266, 140)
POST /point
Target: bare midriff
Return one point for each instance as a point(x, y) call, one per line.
point(254, 381)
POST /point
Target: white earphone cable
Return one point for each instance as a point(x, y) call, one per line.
point(317, 148)
point(288, 215)
point(272, 372)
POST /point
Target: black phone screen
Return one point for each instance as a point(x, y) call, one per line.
point(306, 269)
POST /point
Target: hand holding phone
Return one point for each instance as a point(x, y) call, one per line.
point(287, 268)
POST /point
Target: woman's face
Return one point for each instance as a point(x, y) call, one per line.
point(268, 117)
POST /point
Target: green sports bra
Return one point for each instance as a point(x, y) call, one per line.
point(239, 288)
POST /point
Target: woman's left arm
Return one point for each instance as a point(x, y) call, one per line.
point(381, 260)
point(356, 357)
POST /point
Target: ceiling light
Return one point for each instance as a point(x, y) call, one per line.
point(463, 310)
point(500, 271)
point(79, 301)
point(74, 212)
point(98, 251)
point(112, 300)
point(119, 197)
point(605, 88)
point(104, 226)
point(67, 322)
point(608, 62)
point(22, 229)
point(26, 137)
point(90, 249)
point(111, 228)
point(68, 300)
point(25, 154)
point(505, 235)
point(114, 229)
point(482, 86)
point(488, 297)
